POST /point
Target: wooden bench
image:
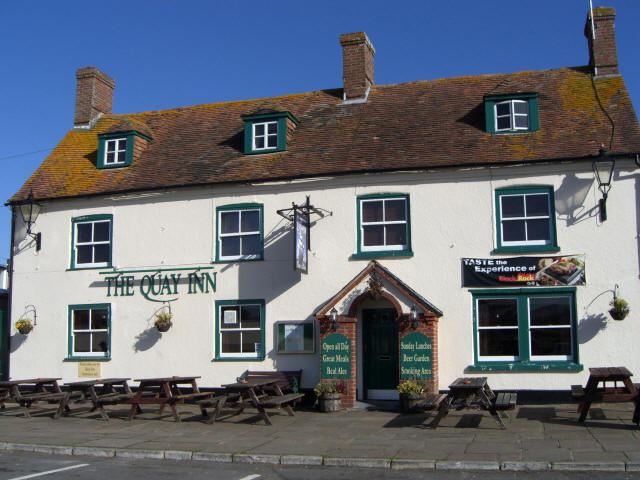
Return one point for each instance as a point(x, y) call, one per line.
point(506, 400)
point(278, 400)
point(433, 401)
point(288, 380)
point(216, 402)
point(577, 391)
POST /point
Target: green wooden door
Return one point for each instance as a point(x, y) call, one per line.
point(380, 349)
point(4, 353)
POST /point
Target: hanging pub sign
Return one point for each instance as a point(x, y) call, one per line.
point(523, 271)
point(336, 356)
point(415, 357)
point(301, 247)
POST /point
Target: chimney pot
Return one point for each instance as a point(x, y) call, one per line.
point(603, 55)
point(357, 65)
point(94, 94)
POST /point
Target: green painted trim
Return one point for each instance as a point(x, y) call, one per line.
point(263, 321)
point(79, 269)
point(158, 270)
point(87, 306)
point(382, 254)
point(489, 112)
point(270, 116)
point(239, 206)
point(308, 338)
point(525, 364)
point(407, 252)
point(87, 359)
point(509, 367)
point(550, 247)
point(90, 218)
point(128, 135)
point(241, 260)
point(280, 118)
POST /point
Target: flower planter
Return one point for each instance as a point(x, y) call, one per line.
point(329, 402)
point(25, 330)
point(411, 402)
point(163, 327)
point(618, 314)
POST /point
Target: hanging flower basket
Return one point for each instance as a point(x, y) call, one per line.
point(618, 314)
point(163, 321)
point(24, 326)
point(620, 308)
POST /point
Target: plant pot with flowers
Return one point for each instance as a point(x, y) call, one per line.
point(24, 326)
point(411, 396)
point(620, 308)
point(329, 395)
point(163, 321)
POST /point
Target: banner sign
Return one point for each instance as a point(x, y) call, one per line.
point(301, 246)
point(336, 356)
point(415, 357)
point(523, 271)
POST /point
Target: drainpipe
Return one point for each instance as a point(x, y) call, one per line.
point(7, 328)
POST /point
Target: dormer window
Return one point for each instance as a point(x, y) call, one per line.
point(115, 151)
point(267, 132)
point(512, 113)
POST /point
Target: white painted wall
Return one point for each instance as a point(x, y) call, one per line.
point(451, 217)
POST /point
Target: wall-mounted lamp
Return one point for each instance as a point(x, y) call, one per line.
point(334, 318)
point(414, 317)
point(30, 210)
point(603, 170)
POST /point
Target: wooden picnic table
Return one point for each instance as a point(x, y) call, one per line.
point(261, 393)
point(166, 391)
point(26, 392)
point(101, 392)
point(468, 392)
point(621, 390)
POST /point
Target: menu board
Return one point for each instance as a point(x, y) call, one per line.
point(336, 356)
point(415, 357)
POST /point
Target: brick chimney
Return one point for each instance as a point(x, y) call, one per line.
point(603, 56)
point(357, 65)
point(94, 94)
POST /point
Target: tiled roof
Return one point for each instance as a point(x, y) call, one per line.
point(418, 125)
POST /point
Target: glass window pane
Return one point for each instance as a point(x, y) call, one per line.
point(250, 221)
point(501, 342)
point(513, 230)
point(82, 342)
point(259, 142)
point(521, 121)
point(372, 211)
point(396, 234)
point(229, 317)
point(273, 128)
point(99, 342)
point(230, 342)
point(250, 244)
point(272, 141)
point(497, 312)
point(122, 156)
point(537, 205)
point(100, 318)
point(504, 123)
point(101, 232)
point(373, 235)
point(85, 254)
point(84, 232)
point(81, 319)
point(512, 206)
point(521, 107)
point(111, 158)
point(101, 253)
point(549, 311)
point(250, 316)
point(229, 222)
point(538, 230)
point(550, 341)
point(230, 246)
point(503, 108)
point(111, 146)
point(394, 210)
point(250, 340)
point(259, 129)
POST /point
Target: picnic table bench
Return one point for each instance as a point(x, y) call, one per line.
point(33, 390)
point(101, 392)
point(287, 380)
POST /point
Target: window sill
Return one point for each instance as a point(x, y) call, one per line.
point(76, 269)
point(508, 367)
point(265, 151)
point(382, 254)
point(87, 359)
point(527, 249)
point(238, 359)
point(239, 260)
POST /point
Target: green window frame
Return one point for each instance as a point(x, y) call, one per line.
point(240, 330)
point(511, 113)
point(266, 133)
point(115, 150)
point(89, 241)
point(295, 337)
point(239, 235)
point(524, 221)
point(381, 231)
point(89, 332)
point(525, 329)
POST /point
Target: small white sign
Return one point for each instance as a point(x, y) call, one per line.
point(230, 317)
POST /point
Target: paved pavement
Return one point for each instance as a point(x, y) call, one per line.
point(537, 437)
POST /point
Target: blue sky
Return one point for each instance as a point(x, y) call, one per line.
point(165, 54)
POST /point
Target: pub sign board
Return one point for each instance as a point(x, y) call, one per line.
point(336, 356)
point(301, 247)
point(416, 357)
point(524, 271)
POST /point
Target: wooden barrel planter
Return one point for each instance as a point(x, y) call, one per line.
point(329, 402)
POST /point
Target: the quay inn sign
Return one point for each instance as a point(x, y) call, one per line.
point(159, 284)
